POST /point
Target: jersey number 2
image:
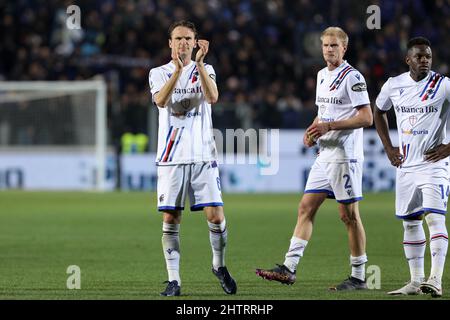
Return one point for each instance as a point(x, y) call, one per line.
point(347, 181)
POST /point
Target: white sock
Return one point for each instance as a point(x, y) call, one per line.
point(438, 244)
point(414, 243)
point(171, 248)
point(359, 267)
point(218, 237)
point(294, 253)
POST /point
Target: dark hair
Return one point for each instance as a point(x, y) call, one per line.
point(182, 23)
point(417, 41)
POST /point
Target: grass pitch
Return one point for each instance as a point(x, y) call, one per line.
point(115, 239)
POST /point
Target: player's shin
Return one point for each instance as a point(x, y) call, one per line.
point(171, 248)
point(218, 238)
point(438, 244)
point(414, 244)
point(295, 252)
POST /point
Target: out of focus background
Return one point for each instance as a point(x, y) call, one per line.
point(266, 55)
point(76, 116)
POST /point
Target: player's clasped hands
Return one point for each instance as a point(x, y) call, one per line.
point(440, 152)
point(308, 140)
point(314, 132)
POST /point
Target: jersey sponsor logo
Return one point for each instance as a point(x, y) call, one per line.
point(359, 87)
point(322, 111)
point(197, 89)
point(401, 91)
point(321, 81)
point(193, 114)
point(161, 198)
point(427, 109)
point(334, 100)
point(357, 76)
point(415, 132)
point(213, 76)
point(186, 114)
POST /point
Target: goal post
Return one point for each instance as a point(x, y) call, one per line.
point(46, 115)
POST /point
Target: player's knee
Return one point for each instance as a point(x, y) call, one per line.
point(214, 214)
point(306, 211)
point(411, 225)
point(172, 217)
point(435, 219)
point(348, 217)
point(215, 220)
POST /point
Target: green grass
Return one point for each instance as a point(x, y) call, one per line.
point(115, 238)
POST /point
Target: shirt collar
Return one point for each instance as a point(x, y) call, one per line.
point(337, 70)
point(420, 81)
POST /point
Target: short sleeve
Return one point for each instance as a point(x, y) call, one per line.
point(211, 72)
point(318, 83)
point(447, 88)
point(155, 80)
point(357, 89)
point(383, 101)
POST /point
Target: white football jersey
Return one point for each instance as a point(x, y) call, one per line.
point(421, 110)
point(338, 92)
point(185, 124)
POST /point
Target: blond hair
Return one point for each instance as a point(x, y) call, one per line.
point(336, 32)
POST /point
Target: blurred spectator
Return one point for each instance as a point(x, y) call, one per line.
point(267, 53)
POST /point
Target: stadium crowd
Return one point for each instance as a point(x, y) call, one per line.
point(266, 53)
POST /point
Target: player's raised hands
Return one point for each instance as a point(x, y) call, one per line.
point(394, 155)
point(202, 51)
point(176, 58)
point(440, 152)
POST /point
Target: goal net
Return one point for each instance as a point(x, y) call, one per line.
point(55, 117)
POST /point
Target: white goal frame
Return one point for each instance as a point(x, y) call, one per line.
point(99, 86)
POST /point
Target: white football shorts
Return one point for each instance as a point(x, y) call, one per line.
point(341, 181)
point(417, 193)
point(200, 181)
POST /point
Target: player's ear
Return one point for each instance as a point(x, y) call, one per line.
point(195, 43)
point(170, 43)
point(407, 60)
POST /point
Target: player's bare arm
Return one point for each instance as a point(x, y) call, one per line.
point(440, 152)
point(208, 84)
point(163, 96)
point(382, 126)
point(362, 119)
